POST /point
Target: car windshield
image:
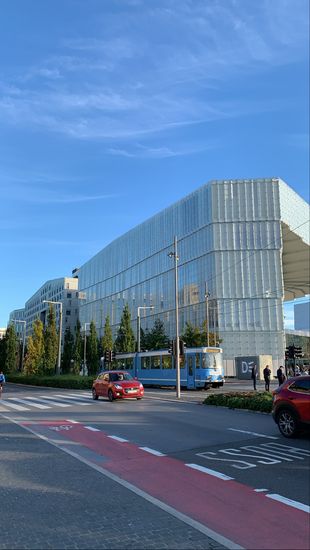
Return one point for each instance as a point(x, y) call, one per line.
point(119, 376)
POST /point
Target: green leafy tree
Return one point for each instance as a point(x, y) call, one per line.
point(191, 336)
point(2, 353)
point(214, 340)
point(107, 338)
point(156, 338)
point(50, 343)
point(92, 350)
point(125, 340)
point(35, 349)
point(11, 349)
point(68, 349)
point(78, 348)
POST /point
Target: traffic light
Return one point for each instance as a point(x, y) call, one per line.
point(182, 347)
point(170, 346)
point(298, 351)
point(107, 356)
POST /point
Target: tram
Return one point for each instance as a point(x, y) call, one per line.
point(199, 367)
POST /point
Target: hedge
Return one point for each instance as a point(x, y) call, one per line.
point(69, 381)
point(254, 401)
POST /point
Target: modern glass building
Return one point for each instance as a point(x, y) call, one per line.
point(245, 241)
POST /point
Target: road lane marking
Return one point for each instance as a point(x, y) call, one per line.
point(72, 421)
point(290, 502)
point(16, 407)
point(121, 439)
point(91, 429)
point(151, 451)
point(260, 490)
point(51, 402)
point(208, 471)
point(252, 433)
point(73, 399)
point(36, 405)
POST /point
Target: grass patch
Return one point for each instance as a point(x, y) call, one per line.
point(70, 381)
point(254, 401)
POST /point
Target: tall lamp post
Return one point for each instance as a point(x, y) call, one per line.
point(139, 326)
point(60, 331)
point(174, 255)
point(24, 339)
point(85, 340)
point(207, 296)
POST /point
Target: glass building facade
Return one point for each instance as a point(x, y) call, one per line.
point(231, 241)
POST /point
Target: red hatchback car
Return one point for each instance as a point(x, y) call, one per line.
point(291, 405)
point(117, 385)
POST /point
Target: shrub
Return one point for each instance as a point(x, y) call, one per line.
point(254, 401)
point(69, 381)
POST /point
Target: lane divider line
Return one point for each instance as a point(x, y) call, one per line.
point(208, 471)
point(290, 502)
point(91, 429)
point(252, 433)
point(151, 451)
point(120, 439)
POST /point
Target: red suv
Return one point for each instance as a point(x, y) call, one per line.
point(291, 405)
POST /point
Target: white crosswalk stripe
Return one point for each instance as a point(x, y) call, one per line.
point(45, 401)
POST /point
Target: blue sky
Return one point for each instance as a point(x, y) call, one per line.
point(111, 110)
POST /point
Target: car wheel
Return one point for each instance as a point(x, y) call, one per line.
point(110, 395)
point(287, 423)
point(95, 396)
point(138, 398)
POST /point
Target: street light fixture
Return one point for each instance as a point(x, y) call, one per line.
point(139, 326)
point(60, 330)
point(24, 339)
point(174, 255)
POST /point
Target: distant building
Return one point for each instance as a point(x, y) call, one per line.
point(17, 316)
point(64, 290)
point(302, 316)
point(246, 241)
point(2, 333)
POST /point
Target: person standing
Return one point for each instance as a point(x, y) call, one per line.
point(280, 375)
point(254, 375)
point(267, 374)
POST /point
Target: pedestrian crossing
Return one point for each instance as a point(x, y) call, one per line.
point(45, 402)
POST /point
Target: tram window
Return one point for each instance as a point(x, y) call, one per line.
point(129, 363)
point(204, 362)
point(197, 360)
point(145, 363)
point(155, 362)
point(182, 362)
point(190, 365)
point(167, 363)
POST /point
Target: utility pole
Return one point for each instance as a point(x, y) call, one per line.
point(174, 255)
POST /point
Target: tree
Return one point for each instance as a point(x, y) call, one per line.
point(50, 343)
point(77, 348)
point(191, 336)
point(156, 338)
point(35, 349)
point(107, 338)
point(11, 349)
point(125, 340)
point(2, 354)
point(92, 350)
point(214, 339)
point(68, 351)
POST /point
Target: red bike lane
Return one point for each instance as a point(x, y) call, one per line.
point(227, 507)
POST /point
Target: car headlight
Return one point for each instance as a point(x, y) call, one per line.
point(118, 387)
point(141, 386)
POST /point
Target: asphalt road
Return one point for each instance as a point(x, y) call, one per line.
point(241, 452)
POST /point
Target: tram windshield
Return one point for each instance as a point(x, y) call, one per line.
point(212, 361)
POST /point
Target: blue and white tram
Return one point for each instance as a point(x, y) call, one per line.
point(199, 367)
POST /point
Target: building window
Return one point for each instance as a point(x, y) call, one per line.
point(68, 312)
point(68, 294)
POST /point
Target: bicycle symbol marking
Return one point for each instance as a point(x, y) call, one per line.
point(61, 427)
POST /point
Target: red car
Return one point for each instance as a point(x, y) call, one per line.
point(291, 405)
point(117, 385)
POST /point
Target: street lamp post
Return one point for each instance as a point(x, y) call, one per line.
point(139, 326)
point(24, 339)
point(85, 340)
point(207, 296)
point(174, 255)
point(60, 331)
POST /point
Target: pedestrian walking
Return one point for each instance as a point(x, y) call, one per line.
point(267, 374)
point(2, 382)
point(254, 375)
point(280, 375)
